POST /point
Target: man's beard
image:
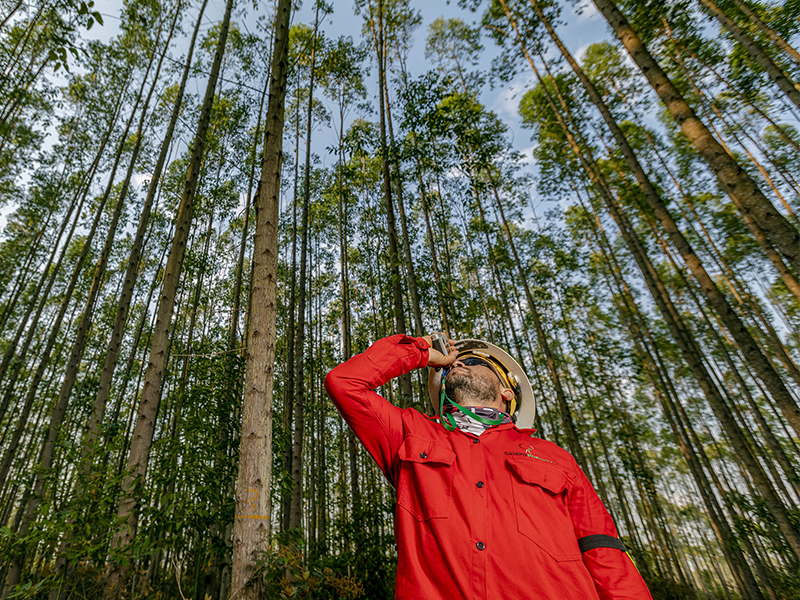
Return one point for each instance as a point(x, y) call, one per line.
point(469, 389)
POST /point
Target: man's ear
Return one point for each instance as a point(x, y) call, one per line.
point(507, 394)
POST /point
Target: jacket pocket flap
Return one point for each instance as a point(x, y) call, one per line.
point(421, 450)
point(532, 471)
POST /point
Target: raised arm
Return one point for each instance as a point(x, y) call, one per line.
point(376, 422)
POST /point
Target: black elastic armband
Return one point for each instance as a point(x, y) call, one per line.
point(590, 542)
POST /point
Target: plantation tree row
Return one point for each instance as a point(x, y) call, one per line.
point(209, 211)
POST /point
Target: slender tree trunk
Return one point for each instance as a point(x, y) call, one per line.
point(56, 327)
point(132, 487)
point(771, 34)
point(659, 377)
point(775, 73)
point(295, 506)
point(253, 508)
point(288, 388)
point(412, 276)
point(394, 258)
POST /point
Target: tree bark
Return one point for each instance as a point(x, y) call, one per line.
point(406, 396)
point(253, 508)
point(295, 506)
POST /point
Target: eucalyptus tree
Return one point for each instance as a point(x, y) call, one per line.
point(455, 47)
point(127, 512)
point(755, 21)
point(678, 327)
point(375, 18)
point(343, 83)
point(317, 47)
point(253, 508)
point(130, 36)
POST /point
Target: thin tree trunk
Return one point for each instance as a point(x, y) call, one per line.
point(295, 506)
point(412, 276)
point(251, 532)
point(394, 258)
point(56, 327)
point(127, 512)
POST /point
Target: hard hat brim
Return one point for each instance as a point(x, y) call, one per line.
point(526, 404)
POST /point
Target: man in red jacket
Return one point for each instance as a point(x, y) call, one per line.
point(484, 508)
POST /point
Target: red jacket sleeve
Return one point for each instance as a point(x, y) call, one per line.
point(614, 574)
point(351, 386)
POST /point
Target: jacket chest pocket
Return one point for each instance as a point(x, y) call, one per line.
point(425, 481)
point(541, 508)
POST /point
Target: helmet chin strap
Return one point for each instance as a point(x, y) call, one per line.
point(447, 419)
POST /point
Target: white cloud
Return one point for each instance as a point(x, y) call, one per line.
point(527, 154)
point(506, 103)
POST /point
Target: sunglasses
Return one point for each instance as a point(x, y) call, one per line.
point(473, 361)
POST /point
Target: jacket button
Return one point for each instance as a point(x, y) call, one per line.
point(480, 545)
point(480, 484)
point(423, 455)
point(475, 441)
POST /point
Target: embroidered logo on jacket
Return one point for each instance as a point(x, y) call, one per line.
point(528, 453)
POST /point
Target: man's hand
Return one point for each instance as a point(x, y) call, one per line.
point(436, 358)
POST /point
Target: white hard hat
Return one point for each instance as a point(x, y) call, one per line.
point(523, 408)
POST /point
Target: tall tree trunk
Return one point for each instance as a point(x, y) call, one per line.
point(757, 210)
point(253, 508)
point(288, 387)
point(295, 507)
point(664, 391)
point(132, 486)
point(132, 268)
point(412, 276)
point(48, 274)
point(406, 398)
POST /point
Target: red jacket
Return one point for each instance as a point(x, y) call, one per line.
point(497, 516)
